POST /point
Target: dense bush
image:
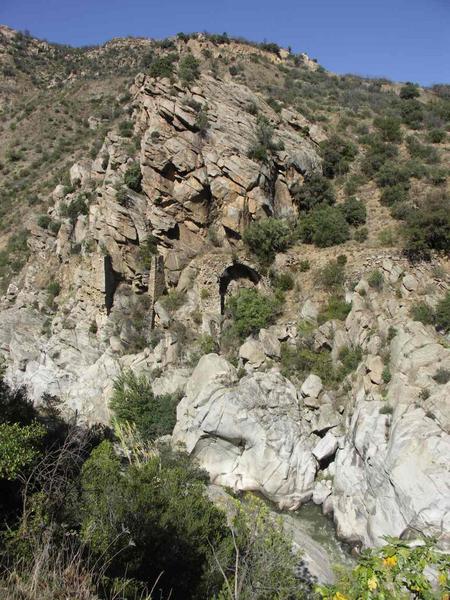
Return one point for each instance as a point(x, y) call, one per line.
point(163, 66)
point(422, 312)
point(76, 207)
point(442, 314)
point(377, 154)
point(337, 154)
point(133, 401)
point(409, 90)
point(189, 69)
point(412, 113)
point(400, 569)
point(150, 521)
point(315, 190)
point(336, 308)
point(394, 194)
point(332, 275)
point(44, 221)
point(133, 177)
point(263, 143)
point(389, 128)
point(376, 280)
point(354, 211)
point(267, 237)
point(324, 226)
point(428, 226)
point(251, 311)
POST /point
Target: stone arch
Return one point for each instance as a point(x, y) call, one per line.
point(235, 271)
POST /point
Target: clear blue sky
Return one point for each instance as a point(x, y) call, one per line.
point(400, 39)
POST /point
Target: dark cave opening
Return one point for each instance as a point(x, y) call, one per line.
point(112, 279)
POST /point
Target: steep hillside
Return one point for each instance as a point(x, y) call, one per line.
point(259, 237)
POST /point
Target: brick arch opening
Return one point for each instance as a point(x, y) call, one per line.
point(235, 272)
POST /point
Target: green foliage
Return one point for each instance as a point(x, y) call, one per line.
point(207, 344)
point(336, 308)
point(442, 376)
point(126, 128)
point(282, 281)
point(394, 194)
point(189, 69)
point(299, 361)
point(428, 226)
point(133, 177)
point(304, 265)
point(150, 521)
point(19, 447)
point(267, 237)
point(409, 90)
point(442, 313)
point(337, 154)
point(162, 66)
point(437, 136)
point(354, 211)
point(422, 312)
point(386, 375)
point(263, 144)
point(173, 300)
point(377, 154)
point(316, 190)
point(399, 570)
point(324, 226)
point(251, 311)
point(76, 207)
point(350, 358)
point(44, 221)
point(133, 402)
point(202, 121)
point(389, 128)
point(361, 234)
point(262, 564)
point(412, 113)
point(147, 250)
point(332, 275)
point(376, 280)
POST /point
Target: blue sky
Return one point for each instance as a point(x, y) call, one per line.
point(400, 39)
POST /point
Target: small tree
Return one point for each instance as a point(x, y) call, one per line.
point(133, 177)
point(251, 311)
point(337, 156)
point(354, 211)
point(267, 237)
point(189, 69)
point(315, 190)
point(324, 226)
point(409, 91)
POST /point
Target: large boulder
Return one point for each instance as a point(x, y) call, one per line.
point(247, 434)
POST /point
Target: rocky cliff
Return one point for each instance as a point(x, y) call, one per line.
point(136, 260)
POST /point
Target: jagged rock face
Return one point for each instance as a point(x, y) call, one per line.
point(247, 434)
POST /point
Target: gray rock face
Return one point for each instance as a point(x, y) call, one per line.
point(247, 434)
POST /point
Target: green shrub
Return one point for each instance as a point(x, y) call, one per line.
point(442, 376)
point(251, 311)
point(386, 375)
point(391, 174)
point(354, 211)
point(337, 154)
point(155, 508)
point(376, 280)
point(76, 207)
point(428, 226)
point(427, 154)
point(263, 143)
point(173, 300)
point(336, 308)
point(389, 128)
point(437, 136)
point(147, 250)
point(44, 221)
point(162, 66)
point(282, 281)
point(442, 313)
point(394, 194)
point(189, 69)
point(412, 113)
point(324, 226)
point(361, 234)
point(126, 128)
point(422, 312)
point(409, 90)
point(350, 358)
point(304, 265)
point(207, 344)
point(202, 121)
point(332, 275)
point(316, 190)
point(133, 177)
point(377, 154)
point(267, 237)
point(53, 289)
point(133, 401)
